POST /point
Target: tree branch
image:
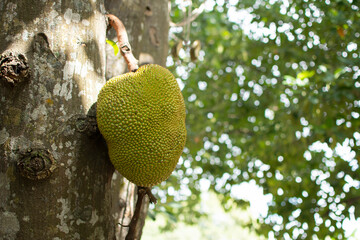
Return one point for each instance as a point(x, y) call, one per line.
point(123, 42)
point(194, 14)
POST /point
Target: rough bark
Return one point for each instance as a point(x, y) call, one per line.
point(47, 112)
point(64, 44)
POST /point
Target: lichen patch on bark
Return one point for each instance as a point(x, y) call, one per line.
point(4, 135)
point(63, 215)
point(9, 225)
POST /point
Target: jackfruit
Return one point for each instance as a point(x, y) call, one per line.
point(142, 118)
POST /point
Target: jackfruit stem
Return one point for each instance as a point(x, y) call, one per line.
point(141, 191)
point(123, 42)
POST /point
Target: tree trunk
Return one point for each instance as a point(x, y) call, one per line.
point(56, 181)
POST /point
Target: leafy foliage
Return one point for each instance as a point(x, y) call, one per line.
point(274, 98)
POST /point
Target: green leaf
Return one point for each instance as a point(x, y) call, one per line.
point(338, 72)
point(114, 45)
point(305, 74)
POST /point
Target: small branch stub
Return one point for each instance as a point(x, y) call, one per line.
point(36, 164)
point(87, 125)
point(123, 42)
point(14, 68)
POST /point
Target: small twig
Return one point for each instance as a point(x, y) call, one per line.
point(123, 42)
point(194, 14)
point(150, 195)
point(142, 191)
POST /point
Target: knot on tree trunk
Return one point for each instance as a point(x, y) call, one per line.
point(14, 68)
point(36, 164)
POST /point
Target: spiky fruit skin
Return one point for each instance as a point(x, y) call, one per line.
point(142, 118)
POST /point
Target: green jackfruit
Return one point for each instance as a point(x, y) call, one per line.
point(142, 118)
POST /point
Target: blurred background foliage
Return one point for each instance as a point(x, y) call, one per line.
point(216, 225)
point(272, 93)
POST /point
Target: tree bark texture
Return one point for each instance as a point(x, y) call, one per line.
point(56, 181)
